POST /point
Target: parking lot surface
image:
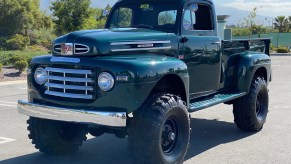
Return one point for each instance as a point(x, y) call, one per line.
point(214, 139)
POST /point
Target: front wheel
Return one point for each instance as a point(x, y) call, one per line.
point(160, 131)
point(250, 112)
point(56, 137)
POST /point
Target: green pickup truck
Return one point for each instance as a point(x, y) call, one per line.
point(140, 77)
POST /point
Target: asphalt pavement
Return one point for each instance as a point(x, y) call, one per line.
point(214, 139)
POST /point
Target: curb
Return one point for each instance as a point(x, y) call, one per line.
point(12, 82)
point(281, 54)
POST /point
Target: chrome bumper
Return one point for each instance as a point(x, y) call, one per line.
point(114, 119)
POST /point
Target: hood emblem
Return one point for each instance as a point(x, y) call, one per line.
point(67, 48)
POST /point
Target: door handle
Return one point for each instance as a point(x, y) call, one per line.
point(216, 42)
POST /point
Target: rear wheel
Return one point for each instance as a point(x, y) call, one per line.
point(56, 137)
point(250, 112)
point(160, 131)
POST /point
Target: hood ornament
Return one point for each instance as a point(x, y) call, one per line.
point(67, 48)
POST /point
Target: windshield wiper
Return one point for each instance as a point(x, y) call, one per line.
point(142, 26)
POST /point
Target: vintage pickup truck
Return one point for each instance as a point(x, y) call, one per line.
point(140, 77)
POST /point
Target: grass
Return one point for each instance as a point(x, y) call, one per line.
point(5, 56)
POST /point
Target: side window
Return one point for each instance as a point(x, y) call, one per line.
point(167, 17)
point(121, 18)
point(189, 20)
point(198, 20)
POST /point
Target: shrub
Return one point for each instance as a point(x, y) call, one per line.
point(17, 42)
point(1, 66)
point(282, 50)
point(35, 48)
point(16, 58)
point(21, 65)
point(43, 37)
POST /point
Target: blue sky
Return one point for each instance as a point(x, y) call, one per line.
point(270, 8)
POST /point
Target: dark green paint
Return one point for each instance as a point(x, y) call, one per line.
point(144, 72)
point(208, 66)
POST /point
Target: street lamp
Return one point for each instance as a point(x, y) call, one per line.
point(268, 19)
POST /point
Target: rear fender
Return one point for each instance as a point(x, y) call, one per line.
point(252, 63)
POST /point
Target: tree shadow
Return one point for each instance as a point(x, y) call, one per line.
point(205, 135)
point(13, 74)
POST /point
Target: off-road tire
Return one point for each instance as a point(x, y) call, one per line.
point(151, 138)
point(250, 112)
point(56, 137)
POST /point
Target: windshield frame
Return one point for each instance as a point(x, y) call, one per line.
point(119, 4)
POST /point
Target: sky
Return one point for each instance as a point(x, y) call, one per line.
point(271, 8)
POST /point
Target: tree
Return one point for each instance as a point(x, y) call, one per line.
point(19, 16)
point(96, 19)
point(281, 23)
point(250, 23)
point(70, 15)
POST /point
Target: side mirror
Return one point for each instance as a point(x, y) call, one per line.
point(105, 13)
point(192, 7)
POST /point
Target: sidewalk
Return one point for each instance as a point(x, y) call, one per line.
point(12, 82)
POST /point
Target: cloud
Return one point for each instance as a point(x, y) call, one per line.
point(269, 7)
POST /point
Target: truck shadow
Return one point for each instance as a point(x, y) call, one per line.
point(206, 134)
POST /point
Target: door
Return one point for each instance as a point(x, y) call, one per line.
point(201, 48)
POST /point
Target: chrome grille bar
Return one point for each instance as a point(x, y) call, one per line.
point(69, 95)
point(69, 83)
point(72, 79)
point(74, 71)
point(74, 87)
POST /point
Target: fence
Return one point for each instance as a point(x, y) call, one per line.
point(277, 39)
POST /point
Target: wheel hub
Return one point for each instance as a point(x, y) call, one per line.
point(169, 136)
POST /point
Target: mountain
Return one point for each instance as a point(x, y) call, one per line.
point(235, 14)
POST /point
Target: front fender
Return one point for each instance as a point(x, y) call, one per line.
point(250, 62)
point(143, 72)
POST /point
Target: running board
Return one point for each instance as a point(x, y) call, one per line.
point(214, 100)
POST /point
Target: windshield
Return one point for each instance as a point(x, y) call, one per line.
point(158, 16)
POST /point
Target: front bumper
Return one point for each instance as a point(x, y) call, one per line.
point(113, 119)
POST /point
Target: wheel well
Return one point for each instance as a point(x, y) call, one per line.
point(262, 72)
point(171, 84)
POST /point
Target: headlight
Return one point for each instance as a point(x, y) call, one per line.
point(105, 81)
point(40, 76)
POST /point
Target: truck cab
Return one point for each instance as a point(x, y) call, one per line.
point(140, 77)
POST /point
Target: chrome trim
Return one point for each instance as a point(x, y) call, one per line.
point(140, 42)
point(73, 87)
point(141, 49)
point(77, 44)
point(57, 49)
point(113, 119)
point(72, 71)
point(68, 95)
point(72, 79)
point(65, 59)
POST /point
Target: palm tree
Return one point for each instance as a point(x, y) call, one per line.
point(281, 23)
point(289, 23)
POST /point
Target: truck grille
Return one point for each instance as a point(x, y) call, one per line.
point(70, 83)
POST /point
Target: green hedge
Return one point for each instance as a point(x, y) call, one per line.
point(8, 57)
point(17, 42)
point(282, 50)
point(21, 65)
point(1, 66)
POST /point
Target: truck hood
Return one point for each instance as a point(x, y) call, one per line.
point(113, 41)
